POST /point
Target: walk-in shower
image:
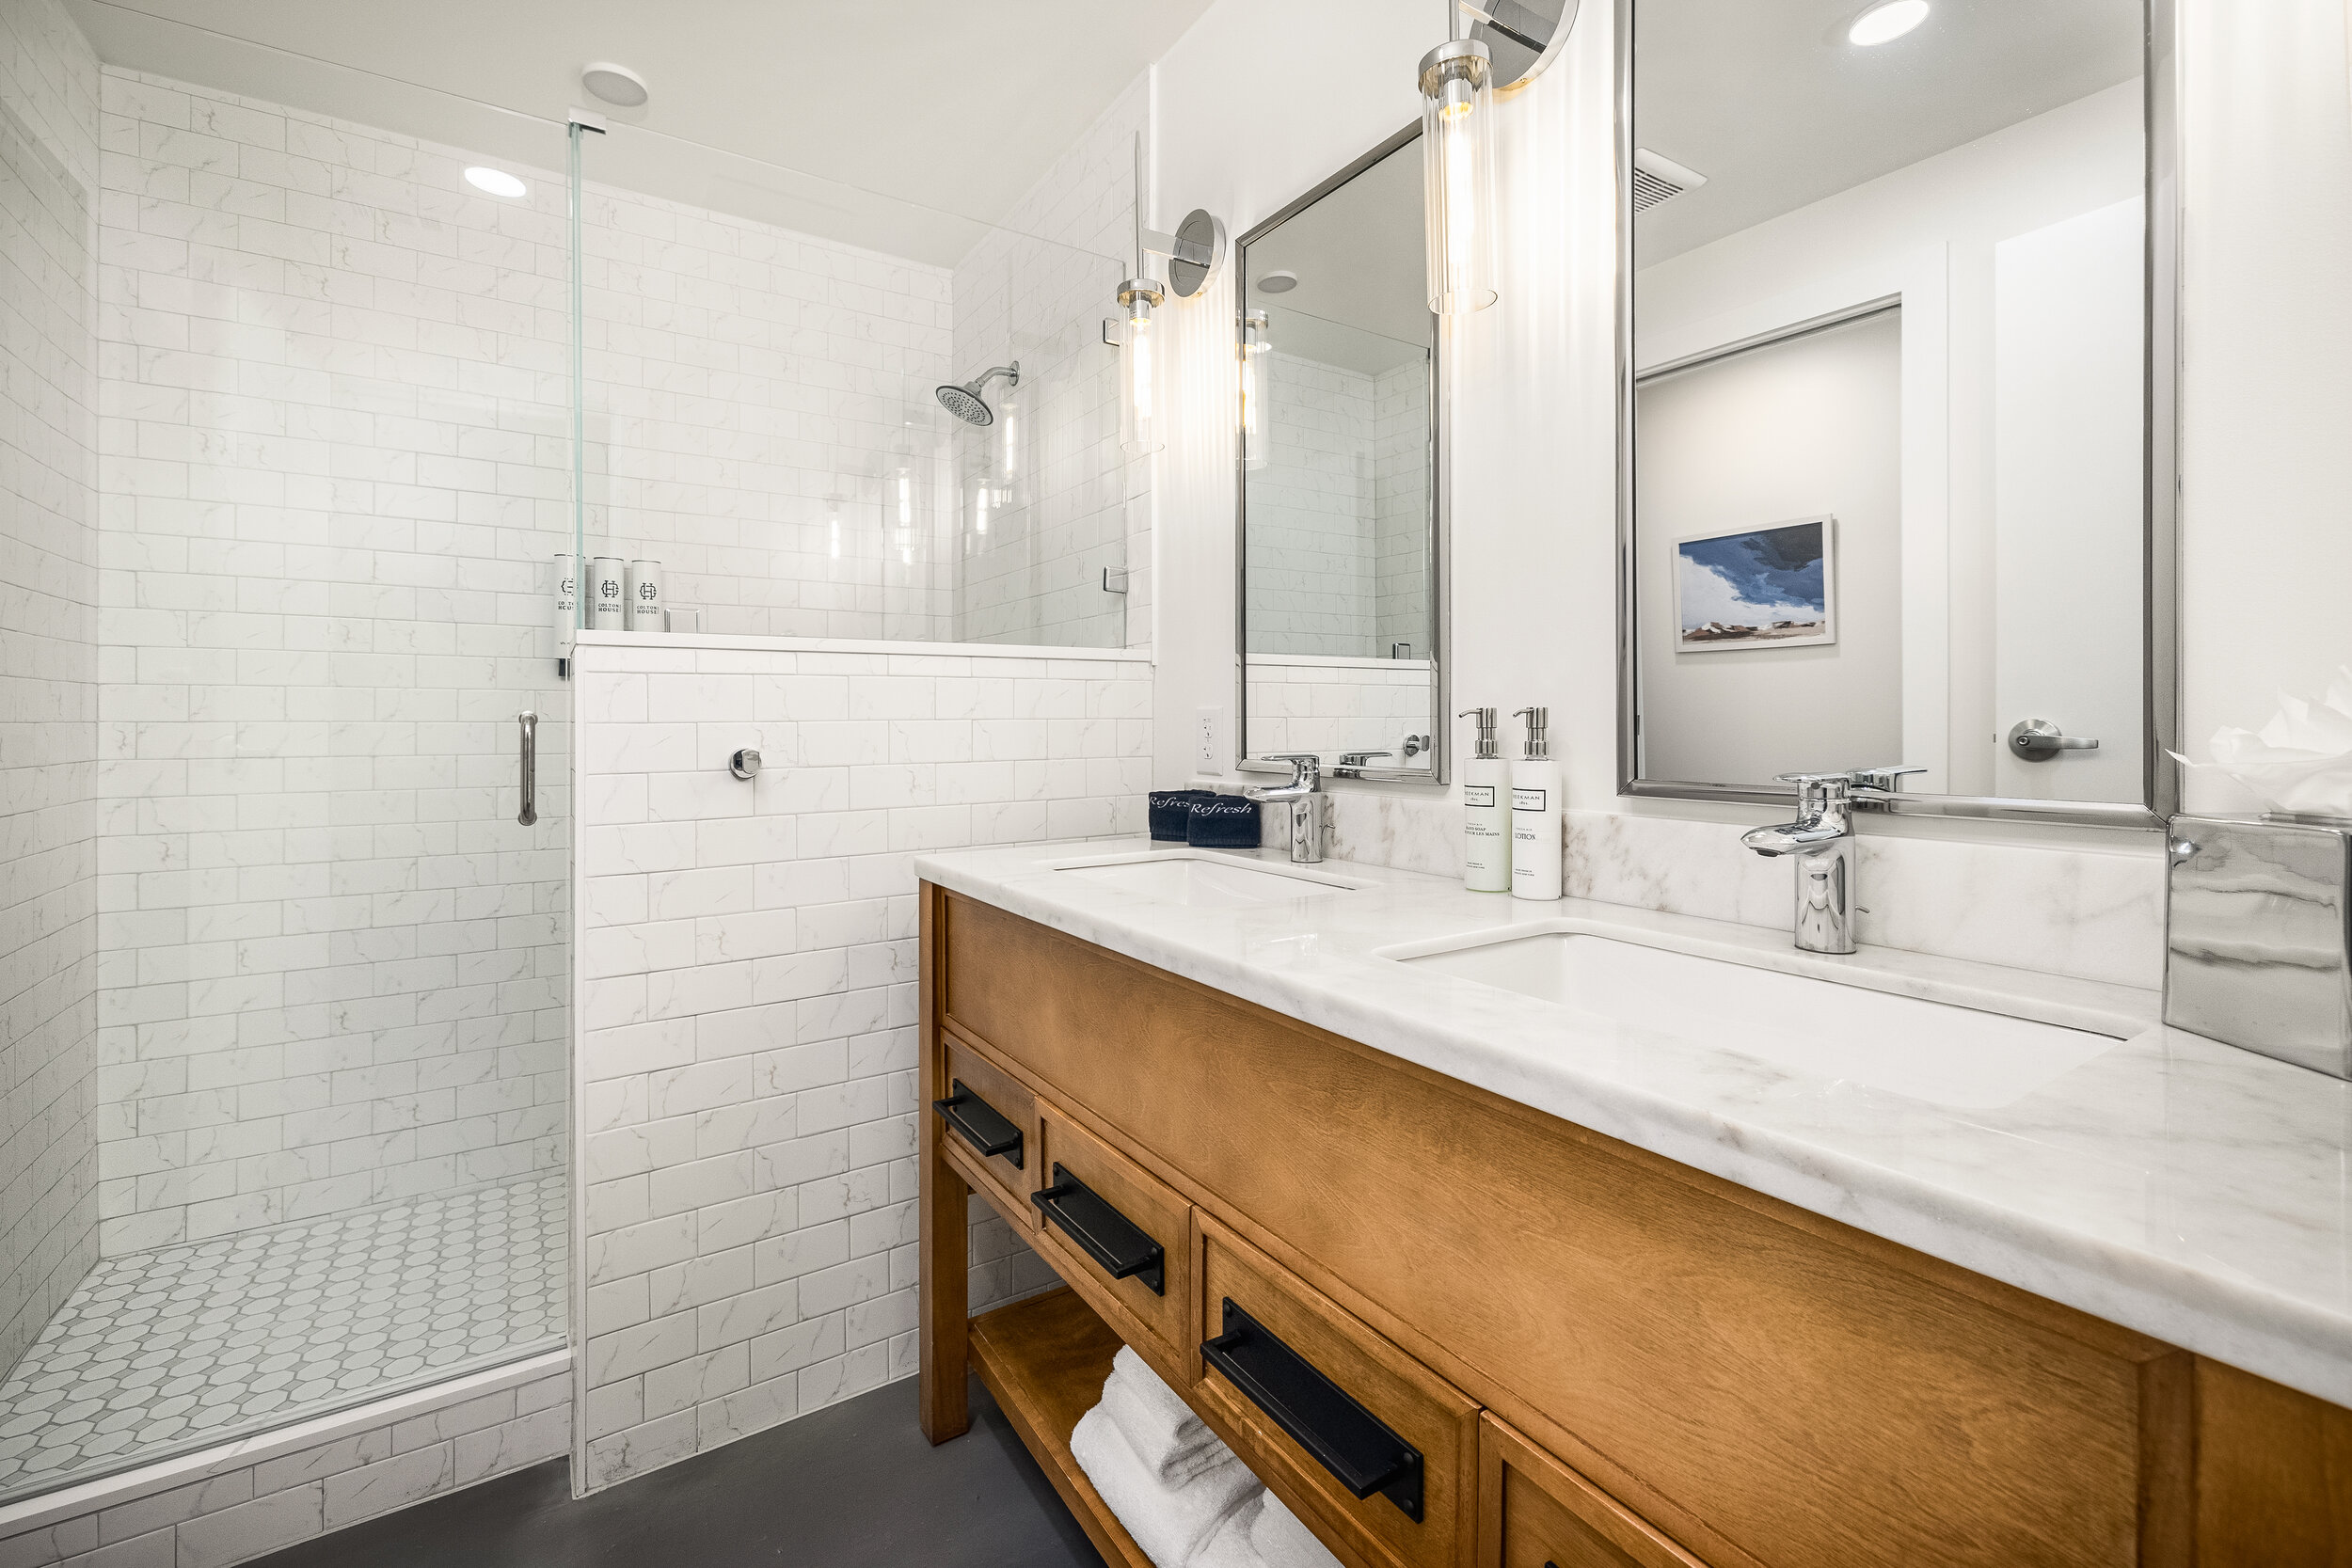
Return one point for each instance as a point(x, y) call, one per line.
point(964, 401)
point(286, 967)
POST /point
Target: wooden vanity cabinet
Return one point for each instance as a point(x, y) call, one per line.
point(1594, 1351)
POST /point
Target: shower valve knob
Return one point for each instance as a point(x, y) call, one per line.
point(744, 764)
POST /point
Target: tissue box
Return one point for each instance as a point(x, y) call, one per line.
point(2257, 939)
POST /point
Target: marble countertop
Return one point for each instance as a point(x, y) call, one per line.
point(2196, 1193)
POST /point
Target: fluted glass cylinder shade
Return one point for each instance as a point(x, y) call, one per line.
point(1138, 372)
point(1457, 175)
point(1256, 361)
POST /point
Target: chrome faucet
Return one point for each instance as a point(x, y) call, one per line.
point(1306, 800)
point(1821, 842)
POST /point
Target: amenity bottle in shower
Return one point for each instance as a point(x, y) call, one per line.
point(645, 609)
point(608, 594)
point(1486, 810)
point(1535, 844)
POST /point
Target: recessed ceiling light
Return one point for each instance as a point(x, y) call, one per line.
point(614, 84)
point(1884, 23)
point(497, 182)
point(1278, 282)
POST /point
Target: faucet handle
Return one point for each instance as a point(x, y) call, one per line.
point(1878, 783)
point(1306, 766)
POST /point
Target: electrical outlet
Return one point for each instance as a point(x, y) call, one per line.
point(1208, 753)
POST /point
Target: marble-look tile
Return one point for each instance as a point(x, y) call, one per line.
point(2091, 915)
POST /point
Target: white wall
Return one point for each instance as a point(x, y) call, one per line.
point(746, 1068)
point(1224, 140)
point(1806, 428)
point(48, 670)
point(2268, 325)
point(2266, 402)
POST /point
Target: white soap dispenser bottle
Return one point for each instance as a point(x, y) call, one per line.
point(1536, 843)
point(1486, 810)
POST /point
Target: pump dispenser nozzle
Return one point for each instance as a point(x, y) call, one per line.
point(1538, 721)
point(1486, 717)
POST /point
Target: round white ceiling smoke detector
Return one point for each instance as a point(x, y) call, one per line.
point(614, 84)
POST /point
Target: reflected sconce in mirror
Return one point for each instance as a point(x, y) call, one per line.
point(1194, 254)
point(1138, 409)
point(1257, 343)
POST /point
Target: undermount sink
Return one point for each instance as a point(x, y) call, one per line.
point(1201, 880)
point(1945, 1053)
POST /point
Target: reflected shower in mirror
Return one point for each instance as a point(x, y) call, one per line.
point(1339, 539)
point(1887, 499)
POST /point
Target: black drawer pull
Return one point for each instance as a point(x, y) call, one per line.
point(1106, 1235)
point(1356, 1445)
point(982, 1125)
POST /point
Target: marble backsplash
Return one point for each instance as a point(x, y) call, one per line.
point(2093, 915)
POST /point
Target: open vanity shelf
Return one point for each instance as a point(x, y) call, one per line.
point(1044, 1359)
point(1582, 1353)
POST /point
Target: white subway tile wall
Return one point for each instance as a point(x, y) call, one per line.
point(1401, 521)
point(215, 1513)
point(761, 421)
point(746, 1094)
point(1049, 501)
point(48, 669)
point(334, 448)
point(1298, 703)
point(1310, 547)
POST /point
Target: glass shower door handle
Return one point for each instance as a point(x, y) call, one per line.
point(528, 722)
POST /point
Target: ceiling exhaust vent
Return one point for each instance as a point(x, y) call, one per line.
point(1657, 180)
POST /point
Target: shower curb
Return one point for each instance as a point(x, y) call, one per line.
point(92, 1498)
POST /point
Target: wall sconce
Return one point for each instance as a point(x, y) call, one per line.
point(1457, 122)
point(1257, 342)
point(1459, 80)
point(1194, 253)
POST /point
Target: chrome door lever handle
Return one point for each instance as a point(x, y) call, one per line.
point(2039, 740)
point(528, 724)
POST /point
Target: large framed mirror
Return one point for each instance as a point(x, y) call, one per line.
point(1898, 325)
point(1342, 542)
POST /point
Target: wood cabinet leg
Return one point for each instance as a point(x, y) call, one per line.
point(944, 1289)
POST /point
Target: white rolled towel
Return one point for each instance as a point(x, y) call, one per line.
point(1169, 1523)
point(1231, 1546)
point(1173, 1443)
point(1282, 1542)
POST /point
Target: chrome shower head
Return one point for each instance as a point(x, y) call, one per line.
point(965, 403)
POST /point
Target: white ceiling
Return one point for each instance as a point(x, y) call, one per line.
point(1363, 297)
point(908, 126)
point(1772, 103)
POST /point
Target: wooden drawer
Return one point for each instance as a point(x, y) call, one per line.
point(1012, 1173)
point(1535, 1512)
point(1158, 1300)
point(1398, 1393)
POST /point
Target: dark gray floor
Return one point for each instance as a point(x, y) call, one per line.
point(853, 1486)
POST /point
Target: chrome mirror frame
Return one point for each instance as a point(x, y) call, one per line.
point(2160, 548)
point(1441, 531)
